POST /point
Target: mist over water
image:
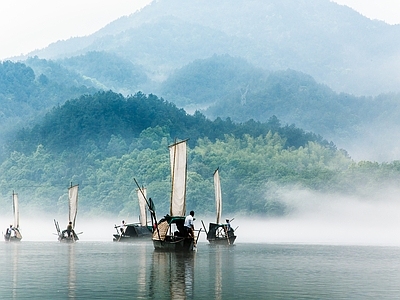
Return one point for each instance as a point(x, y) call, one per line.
point(330, 219)
point(314, 218)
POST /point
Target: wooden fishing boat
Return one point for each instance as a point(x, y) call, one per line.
point(13, 233)
point(220, 233)
point(69, 235)
point(135, 231)
point(170, 233)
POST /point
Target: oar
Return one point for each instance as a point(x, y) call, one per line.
point(198, 236)
point(195, 241)
point(204, 227)
point(226, 234)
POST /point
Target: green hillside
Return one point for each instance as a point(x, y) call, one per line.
point(103, 141)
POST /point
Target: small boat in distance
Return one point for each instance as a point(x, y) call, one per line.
point(134, 231)
point(12, 233)
point(68, 235)
point(169, 233)
point(221, 234)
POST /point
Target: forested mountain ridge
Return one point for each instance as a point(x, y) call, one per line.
point(225, 86)
point(103, 141)
point(95, 119)
point(334, 44)
point(25, 96)
point(219, 86)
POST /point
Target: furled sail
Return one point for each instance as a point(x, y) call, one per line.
point(142, 194)
point(218, 195)
point(73, 203)
point(178, 178)
point(16, 210)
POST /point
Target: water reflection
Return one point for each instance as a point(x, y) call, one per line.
point(221, 258)
point(71, 271)
point(15, 254)
point(172, 275)
point(142, 270)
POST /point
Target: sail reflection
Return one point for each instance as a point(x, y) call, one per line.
point(221, 256)
point(172, 273)
point(15, 255)
point(71, 271)
point(142, 269)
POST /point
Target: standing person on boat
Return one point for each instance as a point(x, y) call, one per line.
point(123, 227)
point(8, 232)
point(228, 225)
point(189, 225)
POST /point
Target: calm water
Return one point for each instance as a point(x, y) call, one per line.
point(107, 270)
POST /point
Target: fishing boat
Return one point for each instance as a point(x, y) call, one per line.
point(134, 231)
point(170, 233)
point(68, 235)
point(220, 233)
point(12, 233)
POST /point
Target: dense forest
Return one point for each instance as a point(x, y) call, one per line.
point(105, 140)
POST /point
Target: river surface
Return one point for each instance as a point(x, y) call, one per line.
point(109, 270)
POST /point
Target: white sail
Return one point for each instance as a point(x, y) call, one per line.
point(15, 210)
point(178, 178)
point(142, 195)
point(73, 203)
point(218, 195)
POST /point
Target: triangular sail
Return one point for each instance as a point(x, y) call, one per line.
point(142, 195)
point(73, 203)
point(218, 195)
point(178, 178)
point(16, 210)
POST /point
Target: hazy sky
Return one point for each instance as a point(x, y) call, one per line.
point(26, 25)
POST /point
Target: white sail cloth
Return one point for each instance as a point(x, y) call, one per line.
point(73, 203)
point(178, 159)
point(218, 195)
point(142, 195)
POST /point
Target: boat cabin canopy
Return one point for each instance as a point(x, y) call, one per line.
point(166, 223)
point(219, 230)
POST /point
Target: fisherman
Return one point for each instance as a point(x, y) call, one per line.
point(69, 230)
point(228, 225)
point(123, 227)
point(8, 232)
point(189, 225)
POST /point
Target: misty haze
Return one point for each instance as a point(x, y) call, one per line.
point(296, 104)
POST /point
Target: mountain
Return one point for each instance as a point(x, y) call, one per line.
point(104, 140)
point(334, 44)
point(224, 86)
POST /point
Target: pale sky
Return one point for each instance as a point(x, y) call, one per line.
point(26, 25)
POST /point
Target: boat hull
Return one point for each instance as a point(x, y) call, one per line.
point(133, 233)
point(68, 239)
point(12, 238)
point(174, 244)
point(223, 241)
point(128, 238)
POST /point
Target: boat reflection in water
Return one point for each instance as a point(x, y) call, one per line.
point(15, 255)
point(71, 272)
point(219, 258)
point(172, 275)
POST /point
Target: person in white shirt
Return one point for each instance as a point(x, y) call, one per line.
point(189, 225)
point(123, 227)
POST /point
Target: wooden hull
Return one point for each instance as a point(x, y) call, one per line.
point(134, 232)
point(67, 239)
point(12, 239)
point(130, 239)
point(223, 240)
point(174, 244)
